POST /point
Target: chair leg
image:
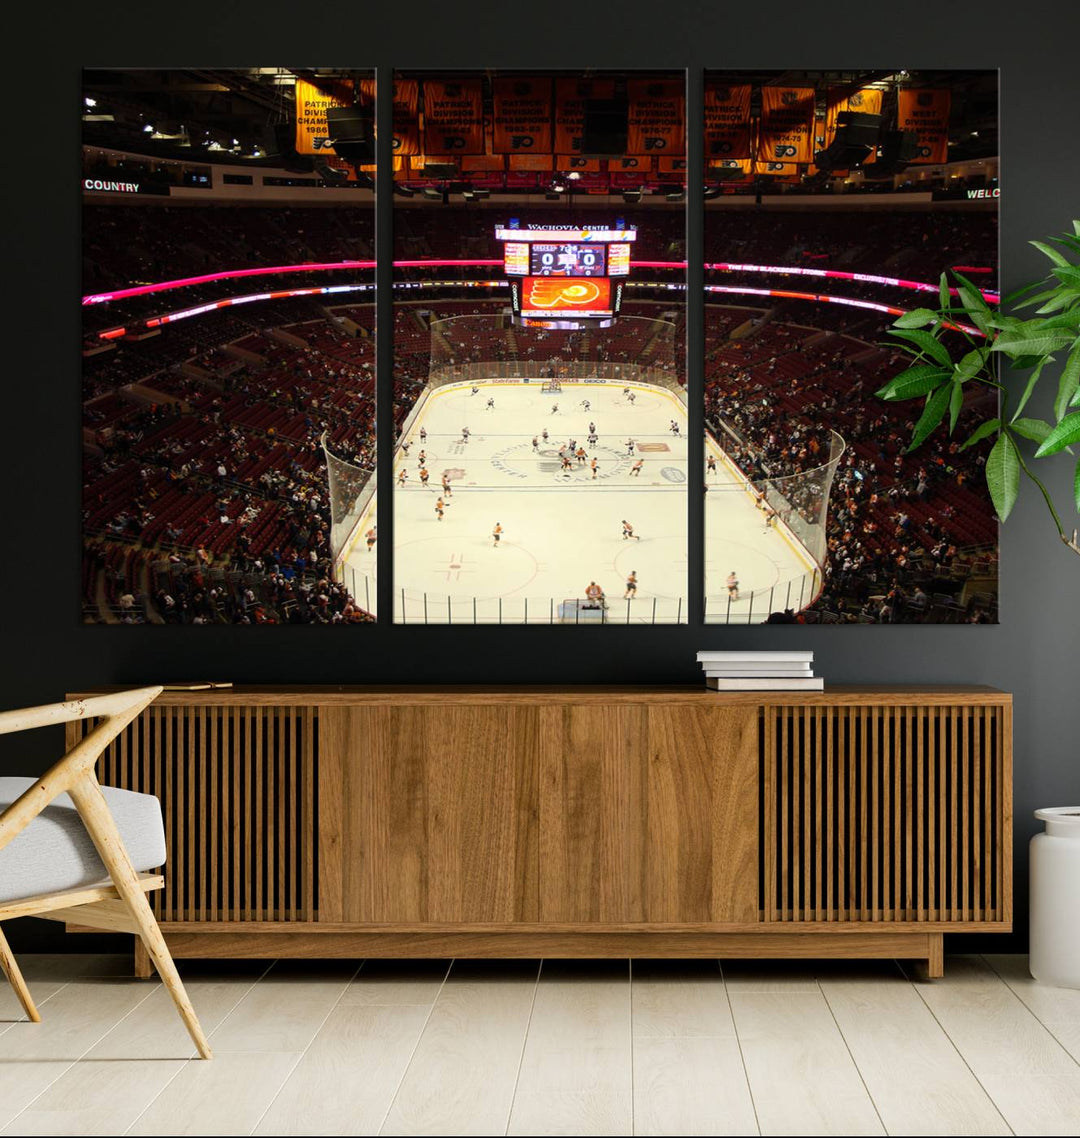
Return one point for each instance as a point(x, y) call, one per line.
point(143, 970)
point(106, 838)
point(15, 979)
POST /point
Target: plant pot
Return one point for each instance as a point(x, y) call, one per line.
point(1055, 898)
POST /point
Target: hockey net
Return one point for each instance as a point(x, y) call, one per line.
point(551, 387)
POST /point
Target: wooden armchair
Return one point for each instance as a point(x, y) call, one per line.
point(54, 872)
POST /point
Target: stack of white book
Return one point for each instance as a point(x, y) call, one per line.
point(760, 671)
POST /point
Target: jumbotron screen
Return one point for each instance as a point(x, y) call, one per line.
point(566, 251)
point(547, 297)
point(569, 260)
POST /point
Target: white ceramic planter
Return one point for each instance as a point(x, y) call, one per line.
point(1055, 898)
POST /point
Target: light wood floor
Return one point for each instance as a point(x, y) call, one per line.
point(659, 1047)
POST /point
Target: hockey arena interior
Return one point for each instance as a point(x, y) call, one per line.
point(541, 463)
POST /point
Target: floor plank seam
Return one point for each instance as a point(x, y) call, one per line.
point(851, 1056)
point(315, 1035)
point(84, 1053)
point(524, 1041)
point(1048, 1027)
point(416, 1046)
point(738, 1043)
point(963, 1057)
point(184, 1066)
point(24, 1018)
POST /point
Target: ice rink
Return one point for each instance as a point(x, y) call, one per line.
point(561, 530)
point(773, 569)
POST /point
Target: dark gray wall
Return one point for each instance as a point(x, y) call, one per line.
point(1034, 651)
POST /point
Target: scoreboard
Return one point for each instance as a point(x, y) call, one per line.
point(560, 276)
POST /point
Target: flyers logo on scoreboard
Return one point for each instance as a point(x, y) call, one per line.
point(549, 294)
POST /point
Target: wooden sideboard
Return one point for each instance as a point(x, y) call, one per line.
point(576, 821)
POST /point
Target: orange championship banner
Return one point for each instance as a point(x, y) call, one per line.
point(570, 162)
point(312, 136)
point(783, 171)
point(570, 98)
point(531, 162)
point(406, 113)
point(743, 166)
point(727, 121)
point(417, 162)
point(483, 163)
point(630, 164)
point(406, 116)
point(786, 132)
point(926, 110)
point(453, 116)
point(657, 116)
point(866, 101)
point(522, 115)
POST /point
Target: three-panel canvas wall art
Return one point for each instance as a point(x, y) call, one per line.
point(540, 380)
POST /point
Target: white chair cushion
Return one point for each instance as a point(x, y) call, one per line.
point(55, 852)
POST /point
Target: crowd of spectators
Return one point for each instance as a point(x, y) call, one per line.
point(205, 494)
point(904, 533)
point(205, 491)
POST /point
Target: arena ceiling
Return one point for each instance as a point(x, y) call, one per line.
point(227, 115)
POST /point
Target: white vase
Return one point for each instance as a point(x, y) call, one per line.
point(1055, 898)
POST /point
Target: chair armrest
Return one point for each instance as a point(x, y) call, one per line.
point(115, 703)
point(117, 711)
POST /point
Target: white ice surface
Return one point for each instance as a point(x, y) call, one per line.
point(561, 531)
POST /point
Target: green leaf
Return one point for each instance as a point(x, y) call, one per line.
point(1010, 298)
point(1030, 340)
point(1063, 322)
point(912, 382)
point(977, 297)
point(1039, 297)
point(1051, 252)
point(1003, 475)
point(1069, 384)
point(982, 431)
point(943, 290)
point(926, 343)
point(1068, 274)
point(956, 404)
point(916, 318)
point(1032, 380)
point(936, 404)
point(1034, 429)
point(1022, 363)
point(1063, 298)
point(1076, 227)
point(1064, 434)
point(970, 365)
point(977, 308)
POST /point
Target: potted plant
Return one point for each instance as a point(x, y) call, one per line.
point(947, 357)
point(955, 348)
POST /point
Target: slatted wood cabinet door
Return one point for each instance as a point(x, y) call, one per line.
point(887, 813)
point(238, 788)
